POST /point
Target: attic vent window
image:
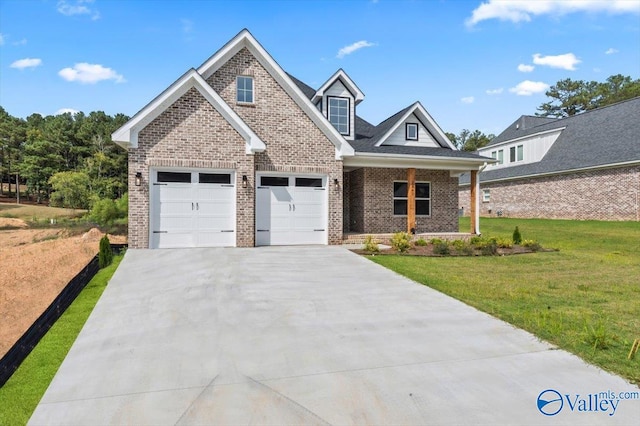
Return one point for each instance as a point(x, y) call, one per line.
point(244, 89)
point(411, 132)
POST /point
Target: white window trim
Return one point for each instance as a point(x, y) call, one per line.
point(406, 198)
point(498, 155)
point(517, 149)
point(406, 132)
point(486, 195)
point(253, 90)
point(348, 113)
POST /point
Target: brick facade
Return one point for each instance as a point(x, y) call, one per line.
point(371, 201)
point(192, 134)
point(605, 194)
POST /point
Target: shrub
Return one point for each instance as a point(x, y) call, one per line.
point(504, 242)
point(517, 238)
point(462, 247)
point(105, 255)
point(106, 212)
point(489, 248)
point(421, 242)
point(435, 241)
point(441, 248)
point(370, 244)
point(532, 245)
point(401, 241)
point(476, 240)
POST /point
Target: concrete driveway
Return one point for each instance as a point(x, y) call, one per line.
point(308, 335)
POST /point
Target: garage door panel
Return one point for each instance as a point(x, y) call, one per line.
point(194, 214)
point(291, 214)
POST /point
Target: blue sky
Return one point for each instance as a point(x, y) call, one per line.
point(472, 64)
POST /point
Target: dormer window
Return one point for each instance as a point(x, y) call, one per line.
point(338, 113)
point(411, 132)
point(244, 89)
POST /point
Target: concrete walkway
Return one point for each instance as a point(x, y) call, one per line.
point(306, 335)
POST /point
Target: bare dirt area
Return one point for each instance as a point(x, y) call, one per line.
point(36, 264)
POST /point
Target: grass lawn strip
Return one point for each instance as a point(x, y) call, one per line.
point(21, 394)
point(584, 299)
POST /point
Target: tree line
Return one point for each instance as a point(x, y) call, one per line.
point(66, 159)
point(566, 98)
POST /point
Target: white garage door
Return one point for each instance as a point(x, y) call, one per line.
point(291, 210)
point(193, 209)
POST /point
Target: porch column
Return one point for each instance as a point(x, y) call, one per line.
point(411, 199)
point(475, 203)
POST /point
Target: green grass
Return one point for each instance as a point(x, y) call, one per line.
point(585, 298)
point(28, 212)
point(21, 394)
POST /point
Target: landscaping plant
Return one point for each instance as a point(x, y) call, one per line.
point(401, 241)
point(517, 238)
point(105, 255)
point(370, 244)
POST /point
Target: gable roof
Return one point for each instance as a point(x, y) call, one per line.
point(602, 137)
point(245, 39)
point(345, 80)
point(393, 122)
point(127, 135)
point(517, 128)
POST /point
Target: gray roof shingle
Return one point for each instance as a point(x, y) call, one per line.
point(603, 136)
point(367, 135)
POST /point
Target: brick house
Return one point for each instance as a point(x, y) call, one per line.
point(240, 153)
point(582, 167)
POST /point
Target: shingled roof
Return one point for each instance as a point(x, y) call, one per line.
point(598, 138)
point(367, 135)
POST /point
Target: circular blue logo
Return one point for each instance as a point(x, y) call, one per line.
point(550, 402)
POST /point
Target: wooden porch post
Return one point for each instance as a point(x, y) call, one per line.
point(473, 202)
point(411, 199)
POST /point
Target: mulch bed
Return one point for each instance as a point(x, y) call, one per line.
point(428, 251)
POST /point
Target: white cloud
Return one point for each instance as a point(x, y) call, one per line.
point(1, 39)
point(611, 51)
point(523, 10)
point(528, 88)
point(77, 7)
point(65, 110)
point(20, 43)
point(90, 73)
point(494, 91)
point(187, 25)
point(525, 68)
point(467, 100)
point(568, 61)
point(347, 50)
point(26, 63)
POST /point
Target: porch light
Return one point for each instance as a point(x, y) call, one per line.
point(138, 178)
point(336, 183)
point(244, 181)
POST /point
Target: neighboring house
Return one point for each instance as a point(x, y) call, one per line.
point(239, 153)
point(582, 167)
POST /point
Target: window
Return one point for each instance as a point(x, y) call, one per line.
point(339, 114)
point(411, 132)
point(309, 182)
point(274, 181)
point(486, 195)
point(498, 155)
point(222, 178)
point(174, 177)
point(244, 89)
point(516, 153)
point(423, 198)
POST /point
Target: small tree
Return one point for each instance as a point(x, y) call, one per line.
point(105, 256)
point(517, 238)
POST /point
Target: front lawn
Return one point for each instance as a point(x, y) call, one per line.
point(585, 298)
point(22, 392)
